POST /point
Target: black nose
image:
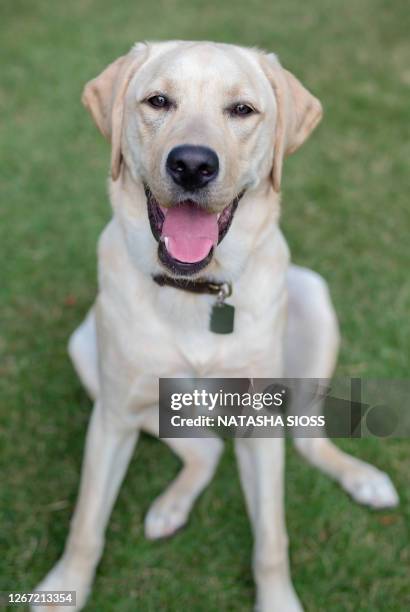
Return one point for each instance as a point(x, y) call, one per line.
point(192, 166)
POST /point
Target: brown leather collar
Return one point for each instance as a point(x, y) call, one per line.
point(194, 286)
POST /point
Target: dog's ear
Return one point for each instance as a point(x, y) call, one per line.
point(104, 98)
point(298, 113)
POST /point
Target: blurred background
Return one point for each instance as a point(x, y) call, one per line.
point(345, 213)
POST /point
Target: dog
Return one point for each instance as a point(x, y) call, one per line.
point(198, 133)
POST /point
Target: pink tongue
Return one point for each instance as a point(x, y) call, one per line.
point(191, 232)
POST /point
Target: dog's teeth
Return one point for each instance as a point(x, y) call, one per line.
point(218, 215)
point(166, 240)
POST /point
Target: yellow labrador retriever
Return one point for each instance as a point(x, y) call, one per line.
point(198, 134)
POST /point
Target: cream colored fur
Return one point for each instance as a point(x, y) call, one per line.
point(137, 331)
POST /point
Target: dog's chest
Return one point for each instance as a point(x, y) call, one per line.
point(172, 337)
point(255, 341)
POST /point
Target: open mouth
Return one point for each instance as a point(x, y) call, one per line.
point(187, 234)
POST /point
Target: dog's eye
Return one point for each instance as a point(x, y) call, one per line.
point(241, 110)
point(159, 101)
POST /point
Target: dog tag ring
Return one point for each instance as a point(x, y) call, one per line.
point(222, 316)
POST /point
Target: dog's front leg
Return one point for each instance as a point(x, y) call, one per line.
point(109, 446)
point(261, 467)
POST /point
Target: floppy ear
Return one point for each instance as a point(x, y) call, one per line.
point(298, 113)
point(104, 98)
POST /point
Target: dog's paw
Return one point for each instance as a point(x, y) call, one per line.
point(59, 579)
point(369, 486)
point(166, 516)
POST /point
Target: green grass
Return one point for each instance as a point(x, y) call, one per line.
point(346, 214)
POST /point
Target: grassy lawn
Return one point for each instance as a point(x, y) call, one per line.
point(346, 213)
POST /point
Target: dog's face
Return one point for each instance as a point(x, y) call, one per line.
point(199, 124)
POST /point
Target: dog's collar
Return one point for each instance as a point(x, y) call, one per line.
point(223, 289)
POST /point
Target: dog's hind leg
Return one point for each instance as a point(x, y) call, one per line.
point(311, 347)
point(82, 348)
point(200, 456)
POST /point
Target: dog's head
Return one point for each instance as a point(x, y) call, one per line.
point(198, 125)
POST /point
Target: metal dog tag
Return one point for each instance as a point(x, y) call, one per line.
point(222, 319)
point(222, 316)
